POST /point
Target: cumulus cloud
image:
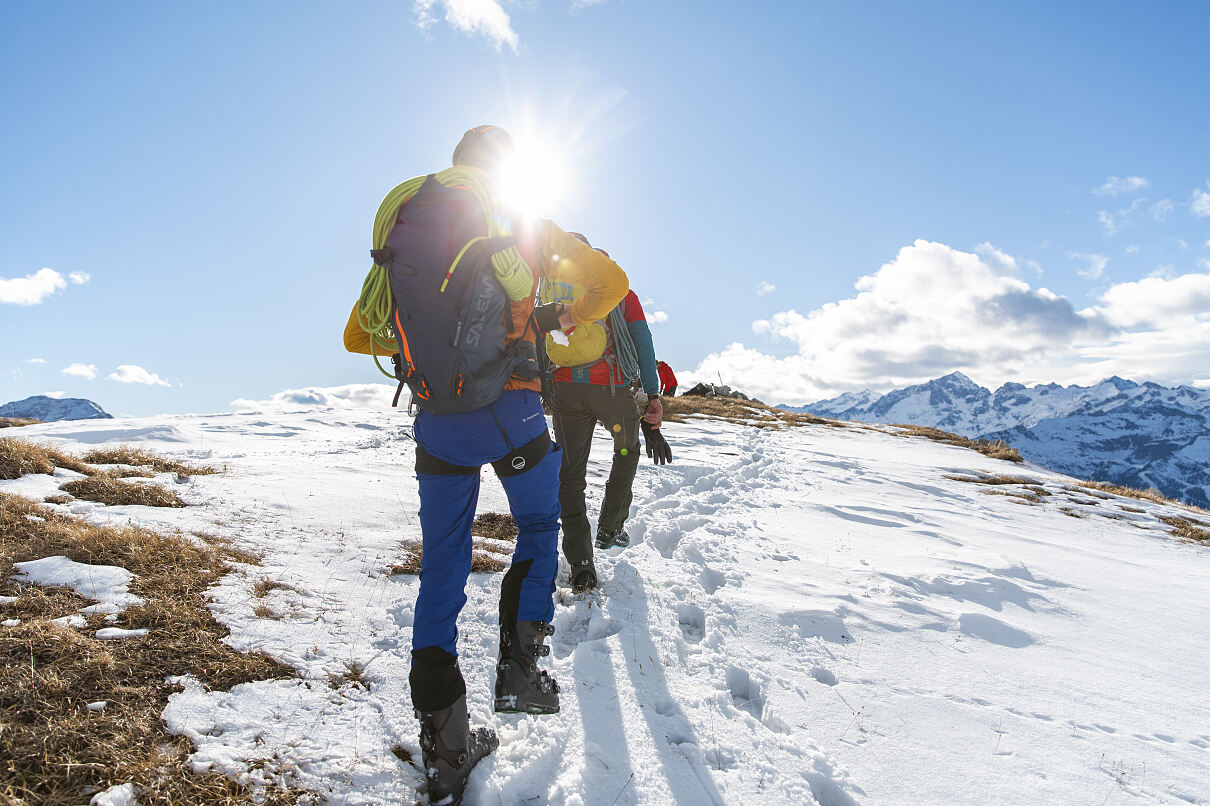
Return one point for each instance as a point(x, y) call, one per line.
point(32, 288)
point(1157, 302)
point(657, 317)
point(1096, 264)
point(1200, 204)
point(79, 277)
point(935, 309)
point(1115, 187)
point(88, 371)
point(132, 373)
point(486, 18)
point(765, 287)
point(349, 396)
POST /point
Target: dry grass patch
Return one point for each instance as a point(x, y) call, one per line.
point(141, 457)
point(485, 559)
point(57, 751)
point(15, 422)
point(1135, 510)
point(495, 526)
point(998, 479)
point(58, 499)
point(264, 586)
point(106, 489)
point(353, 675)
point(740, 412)
point(1154, 496)
point(1188, 528)
point(993, 448)
point(19, 457)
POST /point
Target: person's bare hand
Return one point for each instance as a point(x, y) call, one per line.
point(655, 412)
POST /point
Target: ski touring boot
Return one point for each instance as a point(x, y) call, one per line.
point(522, 688)
point(607, 539)
point(583, 576)
point(451, 750)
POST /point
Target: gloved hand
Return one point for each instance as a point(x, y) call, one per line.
point(546, 317)
point(657, 446)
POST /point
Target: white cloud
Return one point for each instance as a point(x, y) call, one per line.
point(1114, 186)
point(32, 288)
point(132, 373)
point(1162, 208)
point(764, 287)
point(88, 371)
point(657, 317)
point(1096, 264)
point(79, 277)
point(56, 394)
point(485, 18)
point(1200, 204)
point(35, 360)
point(350, 396)
point(935, 309)
point(1204, 263)
point(1130, 250)
point(1117, 221)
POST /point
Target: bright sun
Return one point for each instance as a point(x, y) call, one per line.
point(532, 182)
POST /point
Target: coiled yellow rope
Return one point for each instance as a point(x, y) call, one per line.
point(376, 304)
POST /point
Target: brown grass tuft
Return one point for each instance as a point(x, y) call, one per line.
point(19, 457)
point(1000, 479)
point(58, 499)
point(353, 675)
point(55, 749)
point(740, 412)
point(105, 489)
point(1154, 496)
point(495, 526)
point(264, 586)
point(1188, 528)
point(141, 457)
point(993, 448)
point(14, 422)
point(485, 559)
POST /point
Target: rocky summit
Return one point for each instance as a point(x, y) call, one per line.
point(50, 409)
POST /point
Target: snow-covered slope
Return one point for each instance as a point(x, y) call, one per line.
point(818, 615)
point(51, 409)
point(1141, 435)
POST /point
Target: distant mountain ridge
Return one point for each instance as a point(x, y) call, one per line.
point(50, 409)
point(1142, 435)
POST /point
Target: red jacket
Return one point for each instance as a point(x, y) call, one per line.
point(667, 379)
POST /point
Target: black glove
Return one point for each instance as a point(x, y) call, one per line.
point(546, 317)
point(657, 446)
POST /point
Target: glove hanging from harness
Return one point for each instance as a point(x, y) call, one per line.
point(657, 446)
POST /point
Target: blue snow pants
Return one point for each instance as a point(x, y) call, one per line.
point(447, 509)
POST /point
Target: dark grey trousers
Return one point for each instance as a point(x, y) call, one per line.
point(577, 408)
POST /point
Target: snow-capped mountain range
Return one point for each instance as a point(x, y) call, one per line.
point(1141, 435)
point(53, 409)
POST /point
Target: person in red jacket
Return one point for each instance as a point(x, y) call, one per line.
point(667, 380)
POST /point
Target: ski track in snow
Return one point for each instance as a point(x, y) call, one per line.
point(809, 616)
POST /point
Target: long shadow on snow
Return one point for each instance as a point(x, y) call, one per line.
point(685, 769)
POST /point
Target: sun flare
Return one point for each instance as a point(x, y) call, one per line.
point(532, 182)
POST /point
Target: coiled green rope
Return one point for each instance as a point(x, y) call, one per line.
point(375, 306)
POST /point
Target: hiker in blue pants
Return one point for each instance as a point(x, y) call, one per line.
point(457, 310)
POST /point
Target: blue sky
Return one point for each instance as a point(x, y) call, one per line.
point(819, 197)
